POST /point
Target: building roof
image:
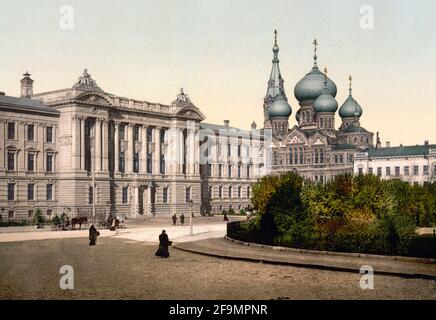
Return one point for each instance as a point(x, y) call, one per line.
point(355, 129)
point(418, 150)
point(25, 104)
point(345, 146)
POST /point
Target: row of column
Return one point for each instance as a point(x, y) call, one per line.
point(182, 153)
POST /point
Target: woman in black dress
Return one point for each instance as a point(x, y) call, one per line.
point(164, 242)
point(93, 234)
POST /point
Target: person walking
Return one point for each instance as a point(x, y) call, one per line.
point(182, 219)
point(93, 234)
point(225, 216)
point(174, 219)
point(164, 242)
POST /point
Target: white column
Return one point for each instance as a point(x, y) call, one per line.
point(3, 154)
point(82, 143)
point(181, 151)
point(116, 147)
point(105, 146)
point(129, 158)
point(143, 163)
point(97, 145)
point(156, 153)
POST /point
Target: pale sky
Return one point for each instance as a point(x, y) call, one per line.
point(220, 53)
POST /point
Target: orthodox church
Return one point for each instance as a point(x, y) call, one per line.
point(313, 147)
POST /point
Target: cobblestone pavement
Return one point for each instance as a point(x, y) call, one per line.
point(220, 247)
point(125, 269)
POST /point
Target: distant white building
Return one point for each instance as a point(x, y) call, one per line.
point(413, 164)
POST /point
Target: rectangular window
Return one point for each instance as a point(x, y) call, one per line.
point(30, 132)
point(11, 161)
point(165, 195)
point(388, 171)
point(11, 191)
point(360, 170)
point(379, 171)
point(11, 214)
point(209, 169)
point(125, 194)
point(248, 192)
point(239, 171)
point(136, 162)
point(31, 191)
point(49, 212)
point(49, 163)
point(90, 195)
point(11, 130)
point(220, 170)
point(220, 192)
point(425, 170)
point(397, 171)
point(239, 150)
point(406, 170)
point(229, 150)
point(210, 192)
point(135, 133)
point(30, 162)
point(30, 214)
point(122, 162)
point(239, 192)
point(122, 133)
point(149, 163)
point(230, 192)
point(248, 171)
point(370, 170)
point(49, 135)
point(229, 171)
point(188, 194)
point(415, 170)
point(49, 193)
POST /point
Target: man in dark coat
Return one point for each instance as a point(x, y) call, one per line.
point(93, 234)
point(182, 219)
point(164, 242)
point(174, 217)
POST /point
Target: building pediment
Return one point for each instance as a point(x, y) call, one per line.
point(190, 112)
point(295, 137)
point(92, 98)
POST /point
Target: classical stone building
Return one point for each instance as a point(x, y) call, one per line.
point(313, 147)
point(413, 164)
point(144, 157)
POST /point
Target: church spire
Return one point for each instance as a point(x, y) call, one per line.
point(275, 83)
point(275, 88)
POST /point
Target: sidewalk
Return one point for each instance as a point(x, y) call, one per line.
point(223, 248)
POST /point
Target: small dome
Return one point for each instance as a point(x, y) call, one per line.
point(325, 102)
point(279, 108)
point(312, 85)
point(297, 115)
point(350, 108)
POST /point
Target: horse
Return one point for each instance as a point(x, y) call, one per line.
point(78, 221)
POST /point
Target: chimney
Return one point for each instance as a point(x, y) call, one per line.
point(26, 86)
point(388, 144)
point(253, 126)
point(426, 142)
point(226, 123)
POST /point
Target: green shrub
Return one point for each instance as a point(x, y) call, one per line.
point(231, 211)
point(38, 217)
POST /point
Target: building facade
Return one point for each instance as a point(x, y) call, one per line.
point(413, 164)
point(74, 149)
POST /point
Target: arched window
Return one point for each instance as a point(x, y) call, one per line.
point(290, 156)
point(301, 156)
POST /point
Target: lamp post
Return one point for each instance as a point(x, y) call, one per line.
point(93, 176)
point(191, 231)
